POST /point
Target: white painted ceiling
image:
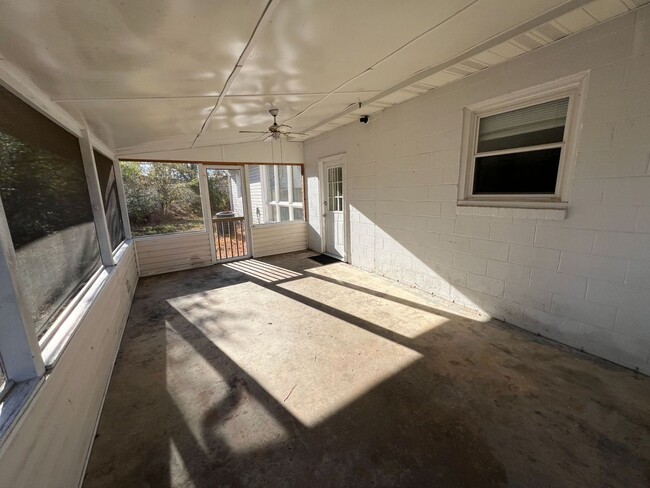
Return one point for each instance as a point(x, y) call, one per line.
point(169, 74)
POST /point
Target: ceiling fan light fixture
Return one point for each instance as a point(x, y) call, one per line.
point(276, 130)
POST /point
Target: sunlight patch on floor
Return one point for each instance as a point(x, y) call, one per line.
point(262, 271)
point(405, 320)
point(179, 475)
point(427, 288)
point(310, 362)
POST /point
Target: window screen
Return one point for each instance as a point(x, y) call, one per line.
point(45, 196)
point(162, 198)
point(108, 187)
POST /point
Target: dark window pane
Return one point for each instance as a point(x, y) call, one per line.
point(518, 173)
point(162, 198)
point(108, 187)
point(45, 197)
point(529, 126)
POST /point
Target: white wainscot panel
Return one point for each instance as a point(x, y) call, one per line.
point(278, 238)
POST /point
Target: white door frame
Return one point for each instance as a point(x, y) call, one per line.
point(207, 210)
point(339, 159)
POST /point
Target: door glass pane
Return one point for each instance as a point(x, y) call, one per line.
point(529, 126)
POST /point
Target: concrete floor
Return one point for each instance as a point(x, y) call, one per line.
point(284, 372)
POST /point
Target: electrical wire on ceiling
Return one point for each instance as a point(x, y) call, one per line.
point(264, 19)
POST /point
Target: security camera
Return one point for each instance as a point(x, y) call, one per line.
point(363, 119)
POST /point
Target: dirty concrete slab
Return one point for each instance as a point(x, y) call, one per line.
point(286, 372)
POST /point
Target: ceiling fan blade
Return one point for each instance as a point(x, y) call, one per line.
point(297, 133)
point(268, 138)
point(285, 125)
point(253, 131)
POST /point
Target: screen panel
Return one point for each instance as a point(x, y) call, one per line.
point(108, 187)
point(45, 196)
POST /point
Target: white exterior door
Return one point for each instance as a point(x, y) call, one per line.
point(334, 210)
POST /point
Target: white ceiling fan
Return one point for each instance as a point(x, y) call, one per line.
point(275, 130)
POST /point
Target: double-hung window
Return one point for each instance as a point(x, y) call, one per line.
point(283, 193)
point(519, 148)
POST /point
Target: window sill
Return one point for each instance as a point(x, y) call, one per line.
point(517, 210)
point(54, 342)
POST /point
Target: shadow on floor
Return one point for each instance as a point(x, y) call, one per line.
point(282, 372)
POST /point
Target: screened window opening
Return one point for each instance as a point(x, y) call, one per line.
point(108, 187)
point(45, 197)
point(519, 152)
point(162, 198)
point(276, 193)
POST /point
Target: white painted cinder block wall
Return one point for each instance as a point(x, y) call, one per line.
point(585, 280)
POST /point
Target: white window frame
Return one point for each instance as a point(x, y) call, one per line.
point(272, 207)
point(572, 87)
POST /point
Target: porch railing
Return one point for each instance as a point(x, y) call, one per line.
point(229, 237)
